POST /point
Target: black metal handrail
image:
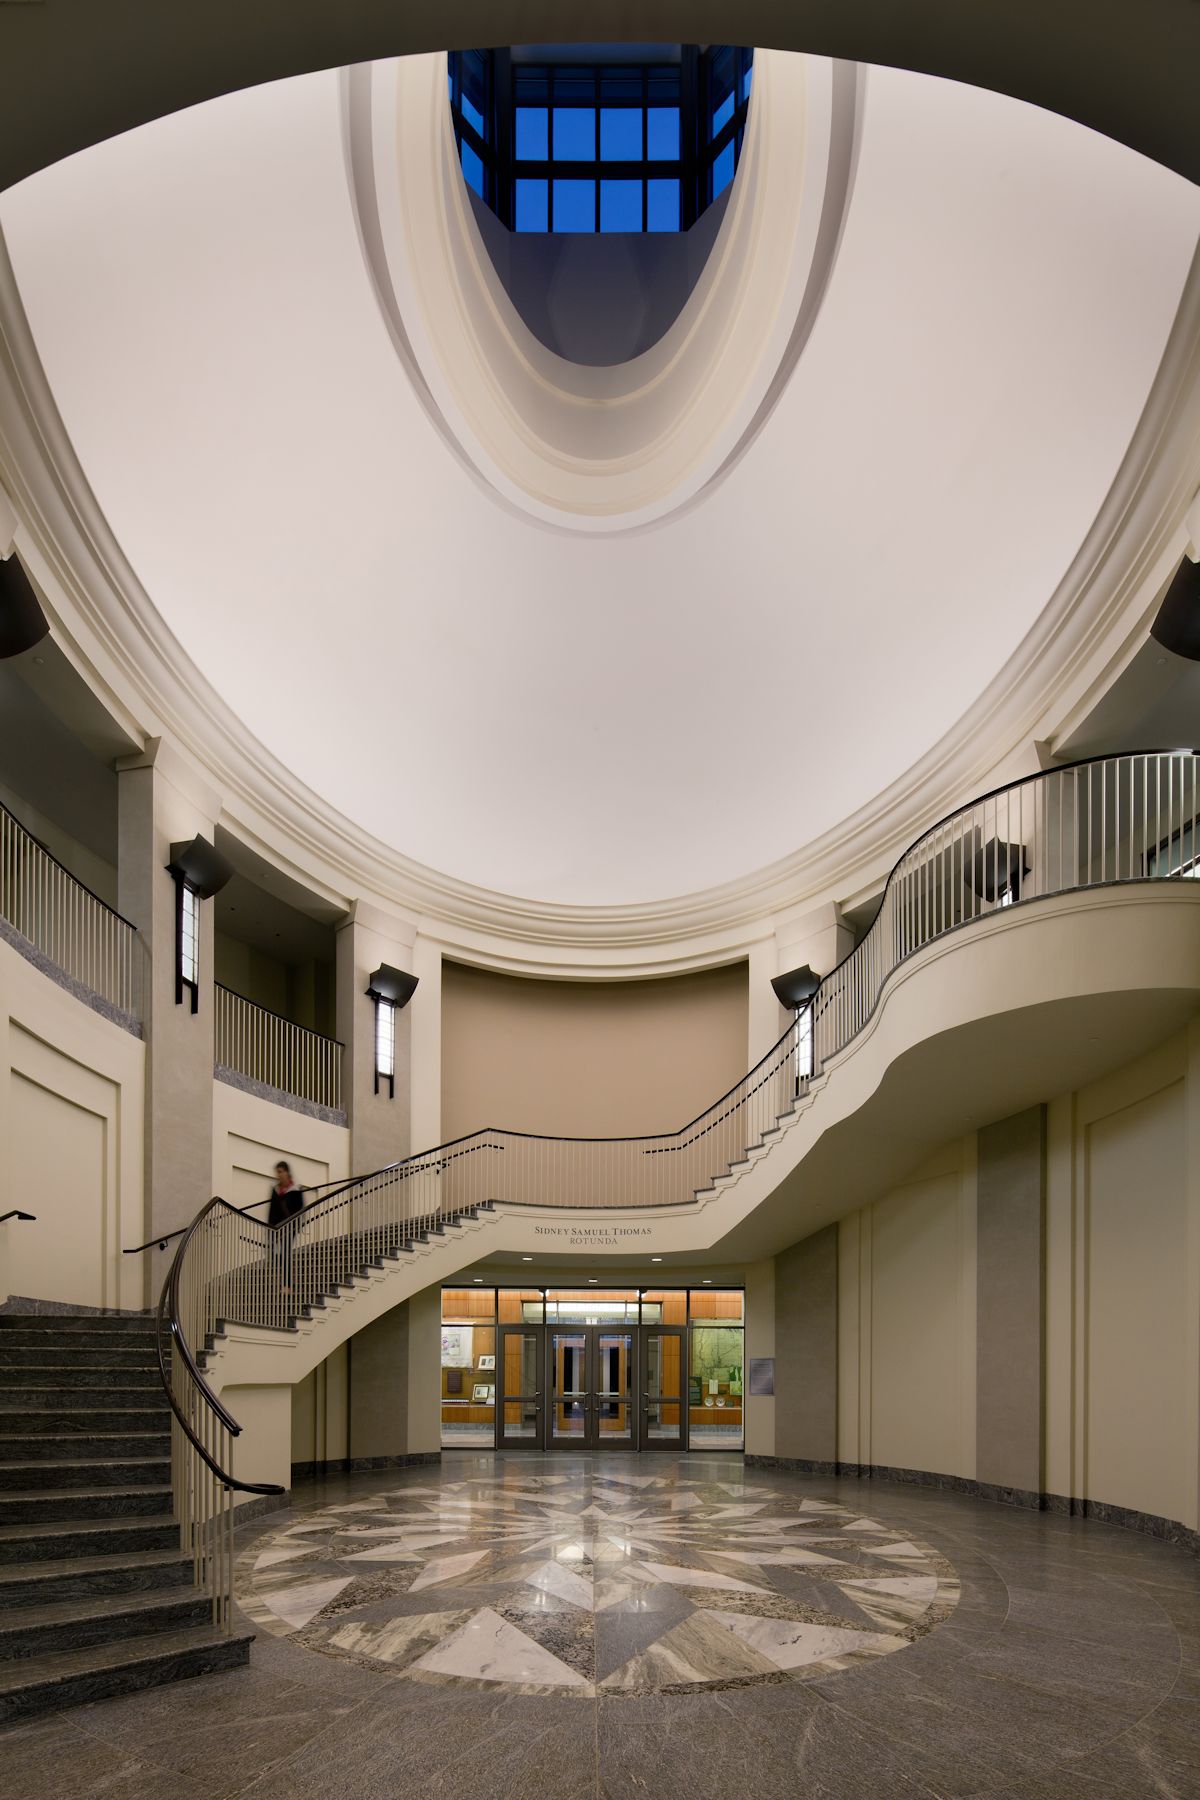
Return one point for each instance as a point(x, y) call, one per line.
point(167, 1326)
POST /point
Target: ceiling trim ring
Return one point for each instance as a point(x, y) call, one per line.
point(612, 449)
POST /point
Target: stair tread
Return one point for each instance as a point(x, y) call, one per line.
point(64, 1567)
point(60, 1495)
point(92, 1437)
point(76, 1321)
point(100, 1606)
point(32, 1671)
point(101, 1527)
point(42, 1465)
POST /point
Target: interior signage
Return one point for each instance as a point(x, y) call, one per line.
point(595, 1237)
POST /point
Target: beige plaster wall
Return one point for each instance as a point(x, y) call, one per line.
point(321, 1411)
point(588, 1059)
point(251, 1135)
point(1122, 1307)
point(906, 1322)
point(71, 1095)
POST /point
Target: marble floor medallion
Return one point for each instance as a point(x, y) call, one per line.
point(584, 1578)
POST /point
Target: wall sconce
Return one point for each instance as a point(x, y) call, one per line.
point(1177, 624)
point(796, 988)
point(391, 990)
point(997, 871)
point(22, 621)
point(200, 871)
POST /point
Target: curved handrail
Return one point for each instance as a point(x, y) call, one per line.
point(202, 1434)
point(1097, 822)
point(168, 1315)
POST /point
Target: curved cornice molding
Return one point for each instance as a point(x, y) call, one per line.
point(620, 448)
point(1123, 67)
point(106, 622)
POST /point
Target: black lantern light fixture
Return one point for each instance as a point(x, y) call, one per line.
point(22, 621)
point(390, 989)
point(998, 870)
point(1177, 624)
point(796, 988)
point(199, 871)
point(795, 991)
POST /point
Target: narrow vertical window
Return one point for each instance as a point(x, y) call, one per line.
point(385, 1045)
point(187, 943)
point(390, 990)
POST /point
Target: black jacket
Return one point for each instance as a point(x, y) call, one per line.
point(285, 1206)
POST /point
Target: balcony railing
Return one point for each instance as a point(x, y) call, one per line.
point(271, 1051)
point(1119, 819)
point(85, 939)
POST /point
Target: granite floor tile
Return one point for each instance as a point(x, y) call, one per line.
point(51, 1756)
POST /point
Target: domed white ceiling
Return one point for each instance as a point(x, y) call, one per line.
point(581, 718)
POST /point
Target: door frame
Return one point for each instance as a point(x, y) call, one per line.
point(538, 1441)
point(645, 1401)
point(590, 1440)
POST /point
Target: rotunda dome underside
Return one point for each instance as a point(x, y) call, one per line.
point(603, 638)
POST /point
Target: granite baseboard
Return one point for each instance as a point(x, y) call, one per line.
point(258, 1506)
point(66, 1309)
point(1171, 1531)
point(356, 1465)
point(116, 1015)
point(246, 1084)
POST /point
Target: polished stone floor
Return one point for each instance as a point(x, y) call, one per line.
point(510, 1627)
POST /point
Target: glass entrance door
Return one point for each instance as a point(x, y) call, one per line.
point(519, 1414)
point(570, 1389)
point(664, 1417)
point(613, 1415)
point(591, 1382)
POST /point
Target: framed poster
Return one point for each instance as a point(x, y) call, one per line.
point(487, 1362)
point(458, 1346)
point(481, 1394)
point(762, 1374)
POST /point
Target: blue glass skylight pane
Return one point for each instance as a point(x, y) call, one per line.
point(620, 138)
point(574, 206)
point(722, 171)
point(662, 133)
point(472, 167)
point(533, 205)
point(574, 134)
point(746, 79)
point(662, 206)
point(472, 114)
point(533, 134)
point(722, 114)
point(620, 206)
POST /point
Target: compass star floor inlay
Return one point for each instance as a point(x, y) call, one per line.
point(591, 1579)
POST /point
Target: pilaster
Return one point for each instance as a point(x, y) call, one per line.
point(161, 801)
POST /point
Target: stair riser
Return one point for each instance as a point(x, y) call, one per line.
point(82, 1375)
point(73, 1322)
point(18, 1641)
point(140, 1534)
point(95, 1584)
point(23, 1478)
point(64, 1422)
point(80, 1399)
point(77, 1446)
point(66, 1504)
point(51, 1696)
point(47, 1356)
point(79, 1342)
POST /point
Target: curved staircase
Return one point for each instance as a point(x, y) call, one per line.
point(96, 1597)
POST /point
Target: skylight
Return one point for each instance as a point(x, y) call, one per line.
point(607, 139)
